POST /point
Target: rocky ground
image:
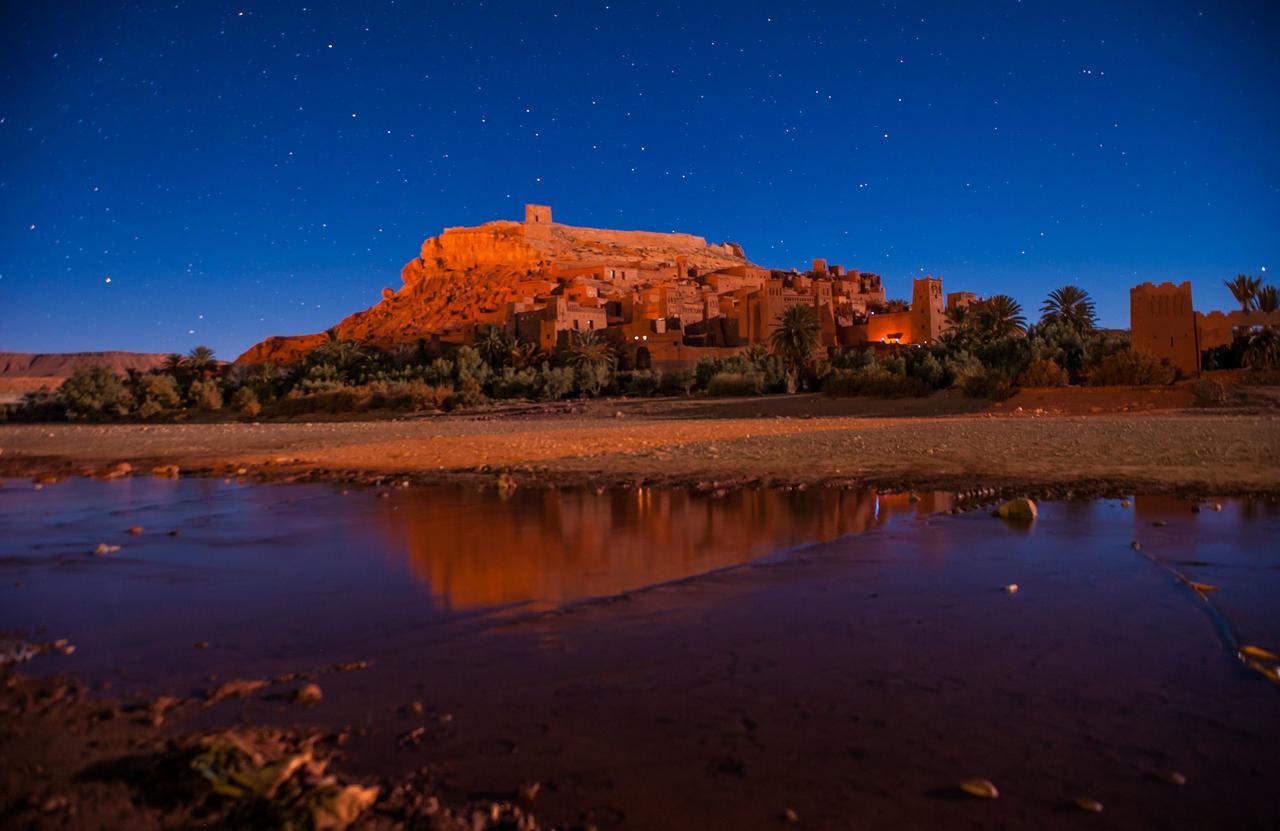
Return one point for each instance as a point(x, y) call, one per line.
point(1087, 441)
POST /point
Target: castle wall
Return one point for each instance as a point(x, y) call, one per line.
point(1162, 323)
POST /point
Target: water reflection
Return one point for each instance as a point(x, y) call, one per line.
point(553, 546)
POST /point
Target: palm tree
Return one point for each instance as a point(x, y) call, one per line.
point(1263, 351)
point(523, 354)
point(961, 321)
point(344, 355)
point(1000, 315)
point(1267, 299)
point(1071, 306)
point(1245, 290)
point(586, 347)
point(200, 361)
point(493, 345)
point(796, 338)
point(591, 357)
point(173, 363)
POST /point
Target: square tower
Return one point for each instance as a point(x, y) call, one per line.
point(537, 214)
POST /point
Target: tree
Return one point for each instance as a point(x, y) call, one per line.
point(93, 392)
point(591, 358)
point(962, 322)
point(1267, 299)
point(1263, 351)
point(998, 316)
point(1244, 289)
point(200, 361)
point(206, 395)
point(797, 336)
point(494, 346)
point(524, 355)
point(1069, 305)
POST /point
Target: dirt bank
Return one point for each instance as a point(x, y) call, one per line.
point(942, 443)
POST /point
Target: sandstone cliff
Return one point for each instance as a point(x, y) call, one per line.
point(469, 275)
point(62, 364)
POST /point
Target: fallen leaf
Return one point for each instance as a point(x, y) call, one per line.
point(1084, 803)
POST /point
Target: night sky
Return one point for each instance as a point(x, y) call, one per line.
point(176, 174)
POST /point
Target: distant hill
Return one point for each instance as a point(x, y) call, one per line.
point(24, 372)
point(62, 364)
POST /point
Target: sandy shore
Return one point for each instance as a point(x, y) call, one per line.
point(938, 443)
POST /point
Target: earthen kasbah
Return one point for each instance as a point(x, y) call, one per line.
point(663, 300)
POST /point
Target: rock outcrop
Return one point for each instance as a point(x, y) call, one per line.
point(468, 276)
point(62, 364)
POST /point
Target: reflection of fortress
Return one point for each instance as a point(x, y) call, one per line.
point(557, 546)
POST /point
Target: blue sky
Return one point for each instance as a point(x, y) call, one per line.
point(242, 170)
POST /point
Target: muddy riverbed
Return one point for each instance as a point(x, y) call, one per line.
point(642, 658)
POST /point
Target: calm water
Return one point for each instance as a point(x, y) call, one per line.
point(842, 653)
point(286, 569)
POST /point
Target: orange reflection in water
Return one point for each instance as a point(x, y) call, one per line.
point(555, 546)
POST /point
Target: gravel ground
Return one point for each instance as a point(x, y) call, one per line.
point(711, 443)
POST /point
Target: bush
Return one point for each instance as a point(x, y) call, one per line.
point(1208, 393)
point(875, 383)
point(245, 402)
point(642, 383)
point(158, 391)
point(415, 395)
point(1129, 368)
point(206, 395)
point(515, 383)
point(736, 383)
point(678, 383)
point(94, 392)
point(1043, 373)
point(992, 384)
point(706, 369)
point(467, 394)
point(554, 382)
point(338, 401)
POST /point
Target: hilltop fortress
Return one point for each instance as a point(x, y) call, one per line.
point(662, 300)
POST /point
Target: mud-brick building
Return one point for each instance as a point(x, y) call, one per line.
point(1163, 322)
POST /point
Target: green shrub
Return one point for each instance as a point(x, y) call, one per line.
point(1208, 393)
point(206, 395)
point(245, 402)
point(992, 384)
point(554, 383)
point(515, 383)
point(642, 383)
point(94, 392)
point(678, 383)
point(873, 382)
point(1043, 373)
point(736, 383)
point(336, 402)
point(1129, 368)
point(467, 394)
point(161, 391)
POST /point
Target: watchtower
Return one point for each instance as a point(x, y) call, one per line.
point(927, 310)
point(1162, 322)
point(537, 214)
